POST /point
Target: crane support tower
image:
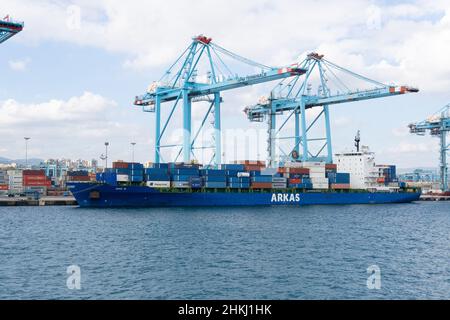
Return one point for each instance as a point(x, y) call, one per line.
point(9, 28)
point(438, 125)
point(182, 83)
point(325, 84)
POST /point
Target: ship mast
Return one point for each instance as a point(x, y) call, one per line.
point(357, 140)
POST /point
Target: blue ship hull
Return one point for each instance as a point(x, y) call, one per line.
point(106, 196)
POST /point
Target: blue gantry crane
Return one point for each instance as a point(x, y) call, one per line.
point(9, 28)
point(296, 95)
point(182, 83)
point(439, 126)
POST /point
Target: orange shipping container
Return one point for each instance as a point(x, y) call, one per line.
point(340, 186)
point(253, 168)
point(260, 185)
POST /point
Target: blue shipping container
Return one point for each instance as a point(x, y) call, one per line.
point(239, 186)
point(232, 173)
point(136, 166)
point(215, 179)
point(238, 180)
point(262, 179)
point(339, 178)
point(182, 178)
point(159, 177)
point(137, 173)
point(254, 173)
point(123, 171)
point(216, 185)
point(160, 166)
point(206, 172)
point(136, 178)
point(185, 172)
point(156, 171)
point(196, 182)
point(110, 178)
point(238, 167)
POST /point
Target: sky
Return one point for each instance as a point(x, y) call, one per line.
point(69, 79)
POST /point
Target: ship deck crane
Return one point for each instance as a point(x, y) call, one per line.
point(439, 126)
point(9, 28)
point(295, 97)
point(180, 83)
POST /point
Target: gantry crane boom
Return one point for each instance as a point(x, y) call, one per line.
point(295, 97)
point(439, 126)
point(9, 28)
point(198, 89)
point(316, 101)
point(180, 83)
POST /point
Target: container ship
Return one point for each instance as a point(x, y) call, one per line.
point(354, 179)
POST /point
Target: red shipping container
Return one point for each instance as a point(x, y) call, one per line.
point(330, 166)
point(299, 170)
point(3, 187)
point(80, 178)
point(35, 178)
point(120, 165)
point(33, 172)
point(37, 184)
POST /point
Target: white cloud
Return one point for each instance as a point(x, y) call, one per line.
point(393, 43)
point(407, 148)
point(342, 121)
point(403, 44)
point(74, 127)
point(401, 132)
point(86, 107)
point(19, 65)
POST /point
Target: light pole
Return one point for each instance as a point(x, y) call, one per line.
point(133, 144)
point(26, 151)
point(106, 155)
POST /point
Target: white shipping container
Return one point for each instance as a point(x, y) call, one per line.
point(313, 164)
point(180, 184)
point(319, 180)
point(321, 174)
point(158, 184)
point(122, 178)
point(293, 165)
point(15, 173)
point(243, 174)
point(269, 171)
point(320, 186)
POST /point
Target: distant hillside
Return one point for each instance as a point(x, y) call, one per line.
point(33, 161)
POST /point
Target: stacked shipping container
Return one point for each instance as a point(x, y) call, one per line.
point(36, 181)
point(239, 175)
point(15, 181)
point(4, 182)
